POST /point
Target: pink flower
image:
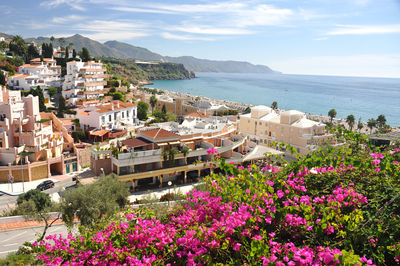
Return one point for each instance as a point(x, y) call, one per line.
point(212, 151)
point(237, 247)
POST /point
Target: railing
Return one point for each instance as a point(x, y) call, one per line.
point(124, 156)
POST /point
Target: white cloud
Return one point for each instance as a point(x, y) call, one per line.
point(171, 36)
point(201, 29)
point(365, 29)
point(74, 4)
point(321, 39)
point(103, 30)
point(364, 65)
point(67, 19)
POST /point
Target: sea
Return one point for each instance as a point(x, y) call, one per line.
point(363, 97)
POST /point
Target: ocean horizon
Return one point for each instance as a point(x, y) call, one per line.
point(364, 97)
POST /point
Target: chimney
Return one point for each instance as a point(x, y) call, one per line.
point(117, 104)
point(112, 106)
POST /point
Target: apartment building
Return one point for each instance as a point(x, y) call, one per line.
point(172, 151)
point(84, 80)
point(29, 147)
point(266, 125)
point(37, 73)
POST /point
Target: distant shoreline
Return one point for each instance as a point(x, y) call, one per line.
point(309, 94)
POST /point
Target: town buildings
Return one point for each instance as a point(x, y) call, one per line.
point(32, 144)
point(169, 151)
point(84, 80)
point(266, 126)
point(103, 119)
point(38, 73)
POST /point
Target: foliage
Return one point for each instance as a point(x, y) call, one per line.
point(47, 50)
point(381, 121)
point(39, 92)
point(2, 78)
point(226, 112)
point(350, 120)
point(17, 258)
point(134, 72)
point(371, 123)
point(32, 52)
point(36, 205)
point(40, 199)
point(91, 202)
point(247, 110)
point(61, 106)
point(153, 102)
point(84, 54)
point(118, 96)
point(274, 105)
point(18, 46)
point(142, 110)
point(334, 206)
point(52, 91)
point(78, 135)
point(360, 125)
point(332, 114)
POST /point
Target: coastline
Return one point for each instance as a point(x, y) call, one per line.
point(308, 93)
point(242, 106)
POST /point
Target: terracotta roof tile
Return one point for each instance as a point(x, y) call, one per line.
point(104, 108)
point(134, 143)
point(198, 114)
point(158, 133)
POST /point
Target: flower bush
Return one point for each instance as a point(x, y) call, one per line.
point(330, 207)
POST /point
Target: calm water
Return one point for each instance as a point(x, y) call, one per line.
point(362, 97)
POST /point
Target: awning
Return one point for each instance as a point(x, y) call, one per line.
point(100, 132)
point(172, 143)
point(162, 144)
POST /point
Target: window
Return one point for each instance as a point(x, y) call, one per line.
point(127, 113)
point(103, 119)
point(115, 116)
point(109, 118)
point(123, 114)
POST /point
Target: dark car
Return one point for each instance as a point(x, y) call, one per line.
point(45, 185)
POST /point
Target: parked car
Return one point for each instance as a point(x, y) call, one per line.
point(45, 185)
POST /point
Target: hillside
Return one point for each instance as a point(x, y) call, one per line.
point(122, 50)
point(135, 72)
point(96, 48)
point(134, 52)
point(204, 65)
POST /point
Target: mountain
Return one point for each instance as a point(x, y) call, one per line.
point(96, 48)
point(205, 65)
point(115, 49)
point(134, 52)
point(190, 62)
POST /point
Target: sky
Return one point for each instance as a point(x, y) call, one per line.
point(322, 37)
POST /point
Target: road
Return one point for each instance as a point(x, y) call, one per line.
point(11, 240)
point(7, 201)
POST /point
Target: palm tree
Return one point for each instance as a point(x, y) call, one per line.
point(274, 105)
point(371, 123)
point(185, 151)
point(153, 102)
point(350, 120)
point(360, 125)
point(332, 114)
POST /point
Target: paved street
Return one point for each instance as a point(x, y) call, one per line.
point(8, 201)
point(11, 240)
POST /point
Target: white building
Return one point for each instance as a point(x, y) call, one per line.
point(113, 115)
point(37, 73)
point(84, 80)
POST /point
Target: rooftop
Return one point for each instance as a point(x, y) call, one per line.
point(158, 133)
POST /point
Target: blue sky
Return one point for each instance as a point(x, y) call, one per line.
point(325, 37)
